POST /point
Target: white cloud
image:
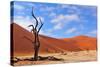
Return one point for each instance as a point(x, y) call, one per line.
point(46, 8)
point(30, 4)
point(42, 32)
point(47, 33)
point(42, 18)
point(71, 30)
point(52, 14)
point(61, 20)
point(65, 6)
point(19, 7)
point(66, 18)
point(58, 26)
point(24, 21)
point(93, 32)
point(71, 8)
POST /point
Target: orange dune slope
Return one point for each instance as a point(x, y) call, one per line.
point(84, 42)
point(22, 41)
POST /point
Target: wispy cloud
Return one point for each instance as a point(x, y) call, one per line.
point(58, 26)
point(71, 30)
point(18, 7)
point(48, 33)
point(72, 9)
point(46, 8)
point(52, 14)
point(93, 32)
point(24, 21)
point(61, 20)
point(40, 18)
point(65, 18)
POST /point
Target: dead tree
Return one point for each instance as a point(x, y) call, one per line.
point(35, 30)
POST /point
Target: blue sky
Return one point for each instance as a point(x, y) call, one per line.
point(60, 20)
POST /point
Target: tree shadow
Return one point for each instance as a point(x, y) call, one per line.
point(40, 58)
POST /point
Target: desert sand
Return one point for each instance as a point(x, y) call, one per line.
point(80, 56)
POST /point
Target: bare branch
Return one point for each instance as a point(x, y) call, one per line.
point(32, 27)
point(40, 26)
point(35, 19)
point(41, 21)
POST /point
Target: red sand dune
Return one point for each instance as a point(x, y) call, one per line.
point(23, 43)
point(83, 42)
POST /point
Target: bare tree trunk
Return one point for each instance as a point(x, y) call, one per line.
point(36, 47)
point(36, 53)
point(35, 31)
